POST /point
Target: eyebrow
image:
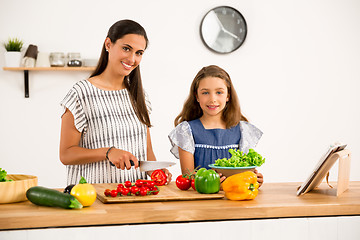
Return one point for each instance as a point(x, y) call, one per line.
point(129, 46)
point(204, 89)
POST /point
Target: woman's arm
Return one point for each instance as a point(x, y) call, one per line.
point(71, 153)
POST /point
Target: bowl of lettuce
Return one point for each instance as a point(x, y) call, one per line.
point(238, 162)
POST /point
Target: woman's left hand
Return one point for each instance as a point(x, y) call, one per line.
point(168, 175)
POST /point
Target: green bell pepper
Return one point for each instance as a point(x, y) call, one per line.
point(207, 181)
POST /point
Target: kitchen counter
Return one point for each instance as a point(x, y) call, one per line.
point(275, 200)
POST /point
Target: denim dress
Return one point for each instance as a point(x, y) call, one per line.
point(208, 145)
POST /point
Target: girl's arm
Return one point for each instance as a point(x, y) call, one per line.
point(72, 154)
point(186, 161)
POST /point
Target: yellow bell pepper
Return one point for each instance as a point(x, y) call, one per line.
point(241, 186)
point(84, 192)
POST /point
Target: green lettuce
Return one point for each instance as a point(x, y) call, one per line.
point(3, 174)
point(240, 159)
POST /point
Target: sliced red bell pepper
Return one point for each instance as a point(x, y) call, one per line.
point(159, 177)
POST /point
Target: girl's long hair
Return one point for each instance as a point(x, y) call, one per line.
point(133, 81)
point(231, 114)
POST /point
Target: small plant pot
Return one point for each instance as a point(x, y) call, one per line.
point(12, 59)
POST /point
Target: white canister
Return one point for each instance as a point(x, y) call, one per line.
point(42, 60)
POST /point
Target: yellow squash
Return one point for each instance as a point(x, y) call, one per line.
point(241, 186)
point(85, 193)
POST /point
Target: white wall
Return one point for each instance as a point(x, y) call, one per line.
point(297, 76)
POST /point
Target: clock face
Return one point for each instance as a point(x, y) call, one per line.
point(223, 29)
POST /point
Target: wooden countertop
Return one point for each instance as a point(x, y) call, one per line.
point(275, 200)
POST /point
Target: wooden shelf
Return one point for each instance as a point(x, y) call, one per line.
point(49, 68)
point(27, 69)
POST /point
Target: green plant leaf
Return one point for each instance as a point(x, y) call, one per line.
point(13, 45)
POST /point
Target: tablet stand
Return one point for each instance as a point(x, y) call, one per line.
point(344, 157)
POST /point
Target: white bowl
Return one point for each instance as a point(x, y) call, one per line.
point(228, 171)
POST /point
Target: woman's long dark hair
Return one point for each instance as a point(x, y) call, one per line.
point(231, 114)
point(133, 82)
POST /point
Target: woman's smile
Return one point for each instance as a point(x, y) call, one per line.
point(126, 66)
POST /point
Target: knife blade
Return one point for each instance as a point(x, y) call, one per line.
point(151, 165)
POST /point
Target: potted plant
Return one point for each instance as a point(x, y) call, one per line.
point(13, 55)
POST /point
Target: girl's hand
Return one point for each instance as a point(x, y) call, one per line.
point(260, 177)
point(168, 175)
point(222, 178)
point(121, 159)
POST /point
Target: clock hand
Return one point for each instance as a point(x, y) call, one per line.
point(231, 34)
point(219, 22)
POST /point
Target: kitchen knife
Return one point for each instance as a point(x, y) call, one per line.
point(150, 165)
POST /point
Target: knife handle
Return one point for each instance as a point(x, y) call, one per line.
point(131, 162)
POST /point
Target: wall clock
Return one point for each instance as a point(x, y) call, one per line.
point(223, 29)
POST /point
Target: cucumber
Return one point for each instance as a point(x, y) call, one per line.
point(52, 198)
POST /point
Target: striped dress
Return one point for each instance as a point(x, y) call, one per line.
point(105, 119)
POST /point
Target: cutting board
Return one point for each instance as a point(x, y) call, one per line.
point(167, 193)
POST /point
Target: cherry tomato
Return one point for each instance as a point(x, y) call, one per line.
point(144, 191)
point(193, 184)
point(150, 184)
point(113, 193)
point(125, 191)
point(120, 185)
point(119, 188)
point(155, 190)
point(134, 189)
point(159, 177)
point(139, 183)
point(183, 183)
point(128, 184)
point(107, 192)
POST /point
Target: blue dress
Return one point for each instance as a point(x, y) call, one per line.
point(208, 145)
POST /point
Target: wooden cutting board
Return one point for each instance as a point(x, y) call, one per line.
point(167, 193)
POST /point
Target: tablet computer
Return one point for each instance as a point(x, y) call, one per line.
point(321, 169)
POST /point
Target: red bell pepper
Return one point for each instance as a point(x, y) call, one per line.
point(159, 177)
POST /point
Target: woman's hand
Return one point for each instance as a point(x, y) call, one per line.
point(260, 177)
point(121, 159)
point(168, 175)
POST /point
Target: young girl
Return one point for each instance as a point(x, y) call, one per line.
point(211, 123)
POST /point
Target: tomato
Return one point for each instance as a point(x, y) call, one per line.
point(107, 192)
point(193, 184)
point(139, 183)
point(125, 191)
point(120, 185)
point(144, 191)
point(113, 193)
point(150, 184)
point(85, 193)
point(128, 184)
point(134, 189)
point(183, 183)
point(159, 177)
point(155, 190)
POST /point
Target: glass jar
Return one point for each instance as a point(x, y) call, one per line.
point(57, 59)
point(74, 60)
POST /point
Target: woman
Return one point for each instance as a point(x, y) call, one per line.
point(106, 117)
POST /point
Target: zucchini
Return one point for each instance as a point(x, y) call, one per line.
point(52, 198)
